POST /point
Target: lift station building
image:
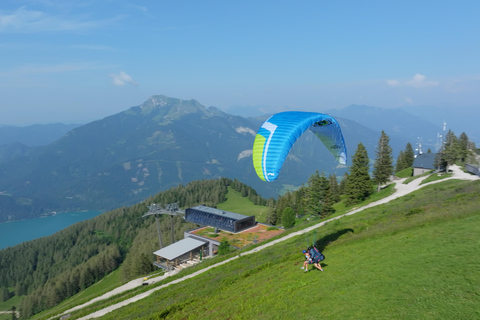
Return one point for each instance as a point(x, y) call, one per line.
point(223, 220)
point(194, 246)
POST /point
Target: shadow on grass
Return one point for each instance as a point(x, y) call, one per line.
point(325, 241)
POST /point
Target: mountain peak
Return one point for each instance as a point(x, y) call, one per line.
point(161, 101)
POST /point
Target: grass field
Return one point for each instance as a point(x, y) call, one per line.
point(413, 258)
point(238, 204)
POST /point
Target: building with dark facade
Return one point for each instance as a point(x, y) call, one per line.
point(223, 220)
point(193, 247)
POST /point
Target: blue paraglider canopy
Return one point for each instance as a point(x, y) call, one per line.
point(277, 135)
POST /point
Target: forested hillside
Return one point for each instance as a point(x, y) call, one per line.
point(51, 269)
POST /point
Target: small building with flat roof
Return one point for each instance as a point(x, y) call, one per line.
point(224, 220)
point(180, 252)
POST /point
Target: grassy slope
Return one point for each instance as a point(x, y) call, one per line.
point(236, 203)
point(415, 257)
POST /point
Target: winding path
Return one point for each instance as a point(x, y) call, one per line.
point(400, 190)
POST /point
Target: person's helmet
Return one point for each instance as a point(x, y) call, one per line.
point(304, 251)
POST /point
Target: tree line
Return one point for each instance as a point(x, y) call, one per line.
point(320, 193)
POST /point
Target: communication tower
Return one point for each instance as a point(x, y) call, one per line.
point(441, 137)
point(418, 149)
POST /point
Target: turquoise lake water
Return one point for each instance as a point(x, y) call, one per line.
point(12, 233)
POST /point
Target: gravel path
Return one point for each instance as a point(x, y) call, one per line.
point(400, 190)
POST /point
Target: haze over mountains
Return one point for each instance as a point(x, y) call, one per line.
point(125, 158)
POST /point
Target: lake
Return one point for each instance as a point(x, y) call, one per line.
point(13, 233)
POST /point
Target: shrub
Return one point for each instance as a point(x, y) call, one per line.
point(224, 247)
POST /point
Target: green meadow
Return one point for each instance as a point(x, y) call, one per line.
point(238, 204)
point(415, 257)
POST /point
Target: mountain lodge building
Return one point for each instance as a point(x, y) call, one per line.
point(195, 246)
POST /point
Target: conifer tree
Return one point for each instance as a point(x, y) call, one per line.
point(409, 155)
point(450, 149)
point(405, 158)
point(358, 186)
point(343, 183)
point(144, 264)
point(463, 146)
point(326, 197)
point(282, 203)
point(272, 217)
point(334, 188)
point(400, 164)
point(299, 195)
point(318, 197)
point(4, 294)
point(288, 217)
point(312, 194)
point(383, 167)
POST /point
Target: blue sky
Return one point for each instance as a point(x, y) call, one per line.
point(78, 61)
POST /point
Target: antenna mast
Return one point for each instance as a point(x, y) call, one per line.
point(441, 137)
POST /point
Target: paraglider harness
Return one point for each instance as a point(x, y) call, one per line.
point(315, 254)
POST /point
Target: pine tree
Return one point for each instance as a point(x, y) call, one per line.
point(288, 217)
point(409, 155)
point(298, 201)
point(4, 294)
point(400, 164)
point(405, 158)
point(383, 167)
point(343, 183)
point(326, 197)
point(334, 188)
point(283, 202)
point(272, 217)
point(358, 186)
point(450, 149)
point(463, 146)
point(312, 194)
point(318, 197)
point(144, 264)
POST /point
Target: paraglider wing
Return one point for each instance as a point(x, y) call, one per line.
point(277, 135)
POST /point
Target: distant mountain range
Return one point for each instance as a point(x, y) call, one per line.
point(125, 158)
point(415, 123)
point(34, 135)
point(395, 122)
point(16, 141)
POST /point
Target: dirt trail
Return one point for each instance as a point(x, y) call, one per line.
point(400, 190)
point(10, 312)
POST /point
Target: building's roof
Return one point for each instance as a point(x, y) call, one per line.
point(179, 248)
point(227, 214)
point(425, 161)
